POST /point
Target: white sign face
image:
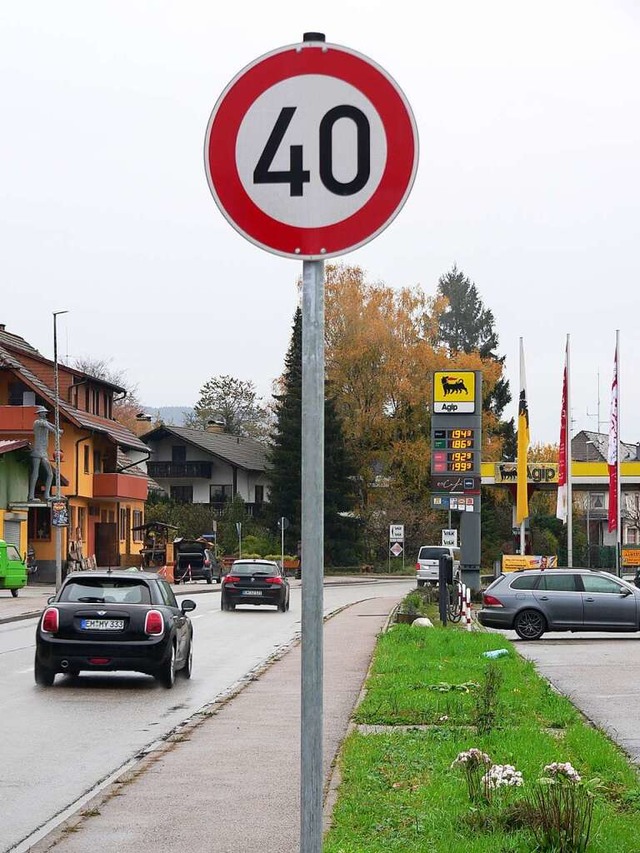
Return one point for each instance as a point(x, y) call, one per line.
point(311, 151)
point(396, 550)
point(450, 537)
point(334, 181)
point(396, 533)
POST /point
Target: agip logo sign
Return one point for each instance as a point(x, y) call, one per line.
point(537, 472)
point(454, 392)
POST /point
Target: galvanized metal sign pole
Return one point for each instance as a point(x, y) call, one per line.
point(310, 152)
point(312, 554)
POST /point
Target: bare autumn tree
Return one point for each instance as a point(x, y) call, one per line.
point(126, 408)
point(233, 402)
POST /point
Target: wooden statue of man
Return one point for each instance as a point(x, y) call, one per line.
point(40, 453)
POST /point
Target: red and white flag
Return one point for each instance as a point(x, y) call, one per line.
point(612, 455)
point(561, 506)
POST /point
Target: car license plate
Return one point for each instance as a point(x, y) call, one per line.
point(102, 624)
point(252, 592)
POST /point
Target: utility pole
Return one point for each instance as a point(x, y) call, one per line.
point(58, 537)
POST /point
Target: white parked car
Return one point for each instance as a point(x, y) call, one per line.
point(428, 564)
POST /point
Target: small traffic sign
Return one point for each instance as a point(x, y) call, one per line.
point(396, 549)
point(311, 150)
point(450, 537)
point(396, 532)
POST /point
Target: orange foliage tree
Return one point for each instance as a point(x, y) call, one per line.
point(381, 352)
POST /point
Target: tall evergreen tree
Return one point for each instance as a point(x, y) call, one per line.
point(285, 457)
point(340, 533)
point(467, 326)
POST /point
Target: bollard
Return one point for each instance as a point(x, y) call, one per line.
point(445, 577)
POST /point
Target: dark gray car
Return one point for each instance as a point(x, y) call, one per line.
point(532, 602)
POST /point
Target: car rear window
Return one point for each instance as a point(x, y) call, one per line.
point(106, 591)
point(432, 553)
point(252, 568)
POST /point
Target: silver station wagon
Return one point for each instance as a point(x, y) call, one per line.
point(532, 602)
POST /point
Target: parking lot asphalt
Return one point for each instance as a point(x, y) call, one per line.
point(229, 781)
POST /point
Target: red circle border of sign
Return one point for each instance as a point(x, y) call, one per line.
point(388, 198)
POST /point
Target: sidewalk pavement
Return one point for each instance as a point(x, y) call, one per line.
point(228, 781)
point(30, 602)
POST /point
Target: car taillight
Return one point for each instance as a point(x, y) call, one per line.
point(51, 620)
point(417, 567)
point(231, 578)
point(491, 601)
point(153, 622)
point(273, 580)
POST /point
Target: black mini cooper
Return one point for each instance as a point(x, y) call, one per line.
point(120, 620)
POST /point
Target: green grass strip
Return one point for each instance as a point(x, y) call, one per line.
point(398, 791)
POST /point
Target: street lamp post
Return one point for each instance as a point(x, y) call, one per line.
point(58, 537)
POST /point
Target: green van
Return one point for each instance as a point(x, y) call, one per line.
point(13, 569)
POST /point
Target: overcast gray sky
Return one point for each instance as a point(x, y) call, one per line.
point(529, 180)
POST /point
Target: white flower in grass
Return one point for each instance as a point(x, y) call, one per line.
point(562, 772)
point(502, 776)
point(471, 758)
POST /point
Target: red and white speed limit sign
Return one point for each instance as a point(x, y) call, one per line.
point(311, 151)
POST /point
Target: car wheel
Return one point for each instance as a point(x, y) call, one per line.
point(421, 583)
point(530, 625)
point(167, 674)
point(282, 607)
point(187, 669)
point(43, 675)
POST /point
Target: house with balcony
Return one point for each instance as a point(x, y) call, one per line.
point(208, 466)
point(102, 464)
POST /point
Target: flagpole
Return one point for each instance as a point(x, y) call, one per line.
point(568, 456)
point(522, 523)
point(613, 457)
point(618, 483)
point(522, 466)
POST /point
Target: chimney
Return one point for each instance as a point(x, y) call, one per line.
point(215, 426)
point(2, 327)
